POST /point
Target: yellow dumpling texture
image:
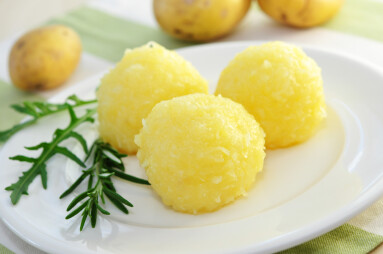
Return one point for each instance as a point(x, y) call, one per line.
point(144, 77)
point(200, 152)
point(281, 86)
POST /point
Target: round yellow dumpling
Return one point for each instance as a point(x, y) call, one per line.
point(144, 77)
point(200, 152)
point(281, 86)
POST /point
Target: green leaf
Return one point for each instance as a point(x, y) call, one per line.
point(65, 151)
point(89, 206)
point(21, 186)
point(117, 204)
point(22, 109)
point(77, 199)
point(112, 164)
point(102, 210)
point(129, 177)
point(107, 183)
point(90, 151)
point(111, 156)
point(37, 147)
point(116, 196)
point(44, 177)
point(84, 216)
point(23, 158)
point(93, 215)
point(113, 151)
point(58, 132)
point(41, 106)
point(102, 197)
point(74, 99)
point(76, 211)
point(12, 187)
point(90, 181)
point(74, 185)
point(30, 109)
point(80, 139)
point(73, 117)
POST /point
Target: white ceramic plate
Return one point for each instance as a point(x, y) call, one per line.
point(304, 191)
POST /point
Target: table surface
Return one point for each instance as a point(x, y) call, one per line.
point(15, 19)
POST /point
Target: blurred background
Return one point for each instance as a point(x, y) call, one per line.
point(20, 15)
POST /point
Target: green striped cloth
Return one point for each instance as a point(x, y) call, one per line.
point(107, 36)
point(4, 250)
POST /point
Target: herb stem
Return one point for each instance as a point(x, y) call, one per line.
point(106, 163)
point(38, 110)
point(48, 151)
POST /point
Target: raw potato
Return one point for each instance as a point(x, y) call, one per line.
point(200, 151)
point(281, 86)
point(199, 20)
point(301, 13)
point(44, 58)
point(144, 77)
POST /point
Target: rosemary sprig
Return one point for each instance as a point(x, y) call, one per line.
point(49, 149)
point(38, 110)
point(106, 163)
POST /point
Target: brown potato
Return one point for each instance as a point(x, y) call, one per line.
point(299, 13)
point(199, 20)
point(44, 58)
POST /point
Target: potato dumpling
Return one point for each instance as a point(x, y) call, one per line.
point(199, 20)
point(281, 86)
point(44, 58)
point(200, 151)
point(144, 77)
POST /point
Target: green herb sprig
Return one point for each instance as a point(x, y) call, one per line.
point(106, 163)
point(37, 110)
point(49, 149)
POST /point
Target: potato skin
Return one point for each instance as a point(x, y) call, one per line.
point(44, 58)
point(301, 13)
point(199, 20)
